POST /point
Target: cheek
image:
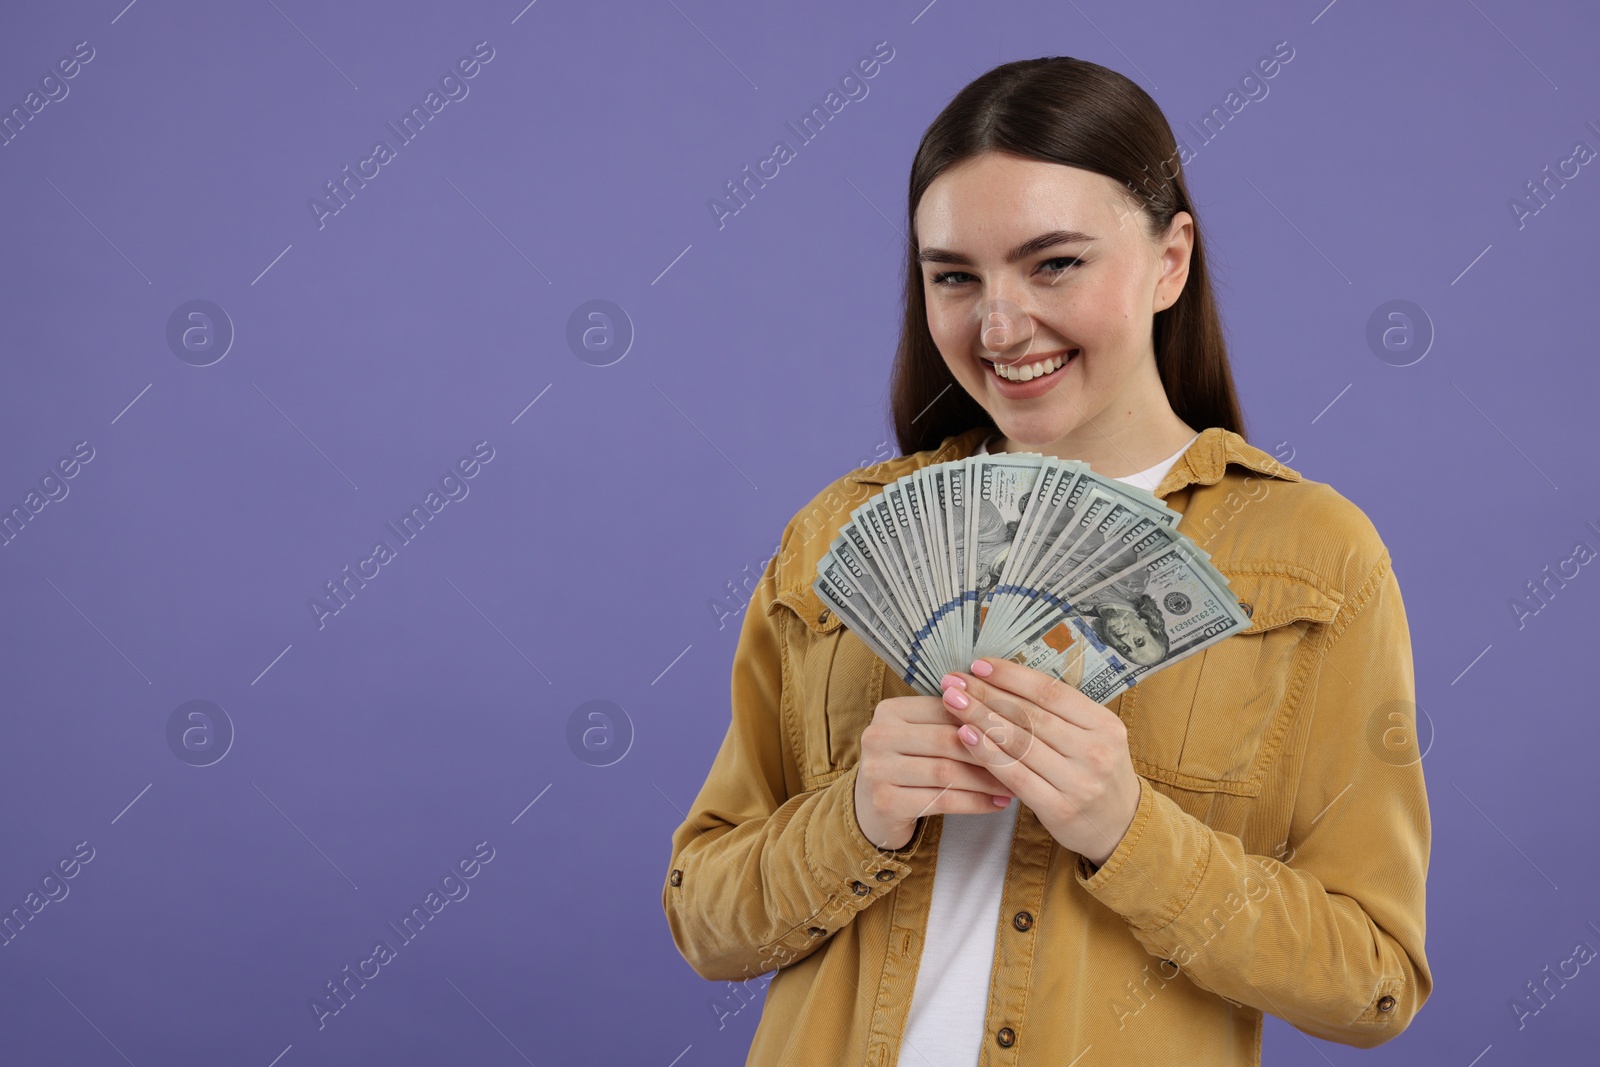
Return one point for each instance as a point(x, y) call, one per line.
point(951, 336)
point(1102, 310)
point(947, 323)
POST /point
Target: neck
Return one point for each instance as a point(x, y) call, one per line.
point(1113, 447)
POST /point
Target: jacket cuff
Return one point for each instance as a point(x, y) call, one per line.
point(838, 854)
point(1156, 868)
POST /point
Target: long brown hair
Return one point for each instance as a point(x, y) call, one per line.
point(1080, 114)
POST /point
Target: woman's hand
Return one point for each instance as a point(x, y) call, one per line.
point(912, 765)
point(1064, 755)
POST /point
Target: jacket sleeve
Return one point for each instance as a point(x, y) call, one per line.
point(759, 878)
point(1332, 941)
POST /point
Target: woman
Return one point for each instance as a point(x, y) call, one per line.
point(1012, 872)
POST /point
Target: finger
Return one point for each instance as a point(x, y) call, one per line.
point(919, 709)
point(1019, 736)
point(1043, 690)
point(1011, 723)
point(932, 739)
point(1038, 791)
point(952, 802)
point(939, 772)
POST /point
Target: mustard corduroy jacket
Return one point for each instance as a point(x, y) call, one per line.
point(1276, 862)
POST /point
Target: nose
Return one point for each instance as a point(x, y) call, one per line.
point(1003, 324)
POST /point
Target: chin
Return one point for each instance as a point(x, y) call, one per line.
point(1036, 430)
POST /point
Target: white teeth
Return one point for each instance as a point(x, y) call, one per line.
point(1030, 371)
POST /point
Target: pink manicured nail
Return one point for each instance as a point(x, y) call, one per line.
point(953, 680)
point(955, 698)
point(982, 668)
point(968, 734)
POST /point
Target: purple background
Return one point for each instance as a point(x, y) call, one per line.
point(371, 353)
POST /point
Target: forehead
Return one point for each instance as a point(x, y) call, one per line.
point(994, 198)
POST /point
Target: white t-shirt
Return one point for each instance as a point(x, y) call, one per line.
point(946, 1025)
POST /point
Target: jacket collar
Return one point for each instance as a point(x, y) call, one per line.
point(1203, 463)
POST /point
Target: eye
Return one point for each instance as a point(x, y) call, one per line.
point(1057, 266)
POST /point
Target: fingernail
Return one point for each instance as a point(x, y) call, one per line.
point(955, 698)
point(1001, 802)
point(953, 680)
point(982, 668)
point(968, 734)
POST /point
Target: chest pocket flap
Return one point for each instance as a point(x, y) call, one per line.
point(808, 608)
point(831, 684)
point(1214, 720)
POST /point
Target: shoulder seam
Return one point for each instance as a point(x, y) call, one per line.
point(1359, 600)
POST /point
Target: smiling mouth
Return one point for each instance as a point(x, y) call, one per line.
point(1026, 371)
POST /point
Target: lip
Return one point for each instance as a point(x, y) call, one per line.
point(1034, 357)
point(1034, 387)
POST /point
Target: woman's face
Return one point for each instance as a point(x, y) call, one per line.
point(1087, 282)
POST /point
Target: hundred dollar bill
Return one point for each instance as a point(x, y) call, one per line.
point(1140, 619)
point(845, 599)
point(999, 489)
point(1051, 490)
point(1116, 539)
point(936, 490)
point(892, 528)
point(955, 534)
point(854, 549)
point(845, 567)
point(1086, 517)
point(1086, 504)
point(906, 507)
point(882, 535)
point(1109, 536)
point(1092, 527)
point(930, 536)
point(1026, 557)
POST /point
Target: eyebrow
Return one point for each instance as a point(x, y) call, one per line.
point(1022, 251)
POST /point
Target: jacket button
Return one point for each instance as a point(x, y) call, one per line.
point(816, 931)
point(1248, 608)
point(1022, 921)
point(825, 616)
point(1006, 1036)
point(1385, 1002)
point(860, 889)
point(884, 876)
point(677, 878)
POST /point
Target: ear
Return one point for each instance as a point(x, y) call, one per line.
point(1175, 252)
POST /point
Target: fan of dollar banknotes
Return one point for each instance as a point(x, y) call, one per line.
point(1024, 557)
